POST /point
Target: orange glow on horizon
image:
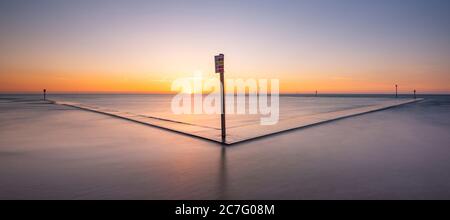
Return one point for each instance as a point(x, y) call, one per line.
point(104, 83)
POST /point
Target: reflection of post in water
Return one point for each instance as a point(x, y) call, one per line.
point(222, 178)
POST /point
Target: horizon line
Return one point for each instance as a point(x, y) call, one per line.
point(174, 93)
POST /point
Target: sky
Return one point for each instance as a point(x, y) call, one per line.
point(333, 46)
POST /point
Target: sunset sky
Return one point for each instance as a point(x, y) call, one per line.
point(334, 46)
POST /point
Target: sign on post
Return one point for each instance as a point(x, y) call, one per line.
point(219, 63)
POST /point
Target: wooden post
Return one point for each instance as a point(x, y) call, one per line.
point(222, 116)
point(220, 68)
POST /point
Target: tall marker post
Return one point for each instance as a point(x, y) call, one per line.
point(219, 61)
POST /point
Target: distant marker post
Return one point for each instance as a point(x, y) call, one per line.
point(396, 91)
point(414, 94)
point(45, 94)
point(219, 63)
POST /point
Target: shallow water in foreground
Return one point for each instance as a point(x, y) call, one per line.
point(160, 106)
point(50, 151)
point(296, 112)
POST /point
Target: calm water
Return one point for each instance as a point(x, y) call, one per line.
point(50, 151)
point(160, 106)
